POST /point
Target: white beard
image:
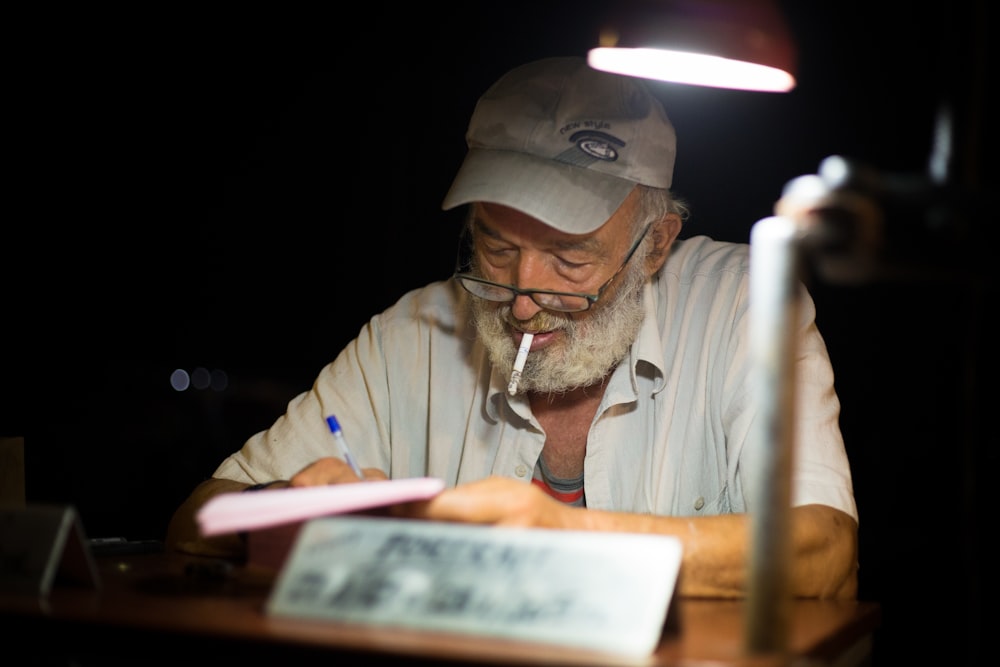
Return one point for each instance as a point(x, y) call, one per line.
point(592, 344)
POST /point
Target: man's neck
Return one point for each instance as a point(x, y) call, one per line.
point(566, 419)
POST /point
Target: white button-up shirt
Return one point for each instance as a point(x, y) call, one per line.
point(416, 396)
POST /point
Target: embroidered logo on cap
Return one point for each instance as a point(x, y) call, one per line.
point(597, 144)
point(589, 146)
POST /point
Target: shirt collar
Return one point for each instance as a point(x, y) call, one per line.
point(645, 356)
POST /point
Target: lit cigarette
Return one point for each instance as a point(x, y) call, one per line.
point(522, 355)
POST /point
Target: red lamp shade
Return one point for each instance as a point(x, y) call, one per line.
point(738, 44)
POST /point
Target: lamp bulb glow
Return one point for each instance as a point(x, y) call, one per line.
point(690, 68)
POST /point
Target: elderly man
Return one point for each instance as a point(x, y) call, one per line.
point(632, 410)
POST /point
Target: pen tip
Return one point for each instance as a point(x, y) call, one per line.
point(332, 423)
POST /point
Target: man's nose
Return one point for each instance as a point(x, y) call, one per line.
point(530, 272)
point(524, 307)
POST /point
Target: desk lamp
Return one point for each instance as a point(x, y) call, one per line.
point(745, 45)
point(838, 217)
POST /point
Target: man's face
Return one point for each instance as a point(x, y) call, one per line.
point(570, 350)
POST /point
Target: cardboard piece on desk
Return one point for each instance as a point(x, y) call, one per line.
point(238, 512)
point(607, 592)
point(41, 545)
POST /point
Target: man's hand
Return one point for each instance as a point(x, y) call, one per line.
point(495, 500)
point(331, 470)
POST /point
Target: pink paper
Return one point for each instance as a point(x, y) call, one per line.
point(235, 512)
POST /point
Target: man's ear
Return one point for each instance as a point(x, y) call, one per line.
point(664, 233)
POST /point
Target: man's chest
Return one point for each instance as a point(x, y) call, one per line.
point(566, 432)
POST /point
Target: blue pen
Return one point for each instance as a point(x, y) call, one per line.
point(338, 437)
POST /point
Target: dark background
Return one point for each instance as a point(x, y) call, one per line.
point(240, 191)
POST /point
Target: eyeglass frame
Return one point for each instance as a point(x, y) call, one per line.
point(590, 299)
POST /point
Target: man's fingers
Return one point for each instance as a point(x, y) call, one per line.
point(329, 470)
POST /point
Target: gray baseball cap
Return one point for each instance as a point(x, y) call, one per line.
point(564, 143)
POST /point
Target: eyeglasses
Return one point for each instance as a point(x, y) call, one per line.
point(564, 302)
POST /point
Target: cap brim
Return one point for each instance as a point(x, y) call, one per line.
point(571, 199)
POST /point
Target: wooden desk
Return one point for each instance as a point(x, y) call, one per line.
point(159, 608)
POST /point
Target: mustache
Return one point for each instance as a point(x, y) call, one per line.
point(541, 321)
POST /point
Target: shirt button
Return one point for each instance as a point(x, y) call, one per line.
point(699, 502)
point(521, 470)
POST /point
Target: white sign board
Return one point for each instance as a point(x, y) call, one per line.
point(602, 591)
